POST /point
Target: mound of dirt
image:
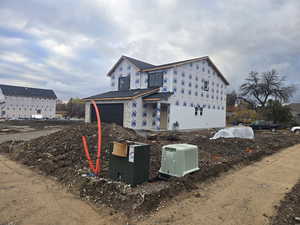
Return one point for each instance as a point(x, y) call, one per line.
point(61, 155)
point(289, 208)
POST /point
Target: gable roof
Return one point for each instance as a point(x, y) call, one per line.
point(123, 95)
point(9, 90)
point(147, 67)
point(138, 63)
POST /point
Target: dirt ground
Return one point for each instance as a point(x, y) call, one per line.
point(29, 198)
point(60, 155)
point(246, 196)
point(289, 208)
point(242, 196)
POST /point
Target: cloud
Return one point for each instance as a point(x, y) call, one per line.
point(70, 45)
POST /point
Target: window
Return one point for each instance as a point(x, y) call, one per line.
point(155, 79)
point(38, 111)
point(206, 85)
point(124, 83)
point(201, 111)
point(3, 113)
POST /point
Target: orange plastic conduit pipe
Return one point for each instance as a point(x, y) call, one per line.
point(96, 170)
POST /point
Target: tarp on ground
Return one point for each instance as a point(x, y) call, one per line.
point(235, 132)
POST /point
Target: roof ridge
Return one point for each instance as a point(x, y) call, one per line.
point(25, 87)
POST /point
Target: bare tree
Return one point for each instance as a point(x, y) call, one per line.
point(259, 88)
point(231, 98)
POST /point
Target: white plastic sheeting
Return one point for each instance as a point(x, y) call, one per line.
point(235, 132)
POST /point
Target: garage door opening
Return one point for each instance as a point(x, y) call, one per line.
point(109, 113)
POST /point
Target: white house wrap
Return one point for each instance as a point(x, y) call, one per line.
point(187, 94)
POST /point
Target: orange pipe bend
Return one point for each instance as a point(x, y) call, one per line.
point(96, 170)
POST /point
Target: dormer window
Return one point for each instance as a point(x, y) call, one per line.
point(124, 83)
point(155, 79)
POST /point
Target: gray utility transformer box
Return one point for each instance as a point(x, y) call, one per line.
point(179, 159)
point(129, 162)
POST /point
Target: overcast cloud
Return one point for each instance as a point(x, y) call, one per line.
point(69, 46)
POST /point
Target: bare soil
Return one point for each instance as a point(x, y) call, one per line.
point(27, 198)
point(61, 155)
point(241, 197)
point(289, 208)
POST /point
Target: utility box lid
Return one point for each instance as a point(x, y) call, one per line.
point(120, 149)
point(179, 159)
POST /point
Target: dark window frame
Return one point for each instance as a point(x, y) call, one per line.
point(206, 85)
point(155, 80)
point(126, 82)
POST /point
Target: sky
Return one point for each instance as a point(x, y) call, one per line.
point(69, 46)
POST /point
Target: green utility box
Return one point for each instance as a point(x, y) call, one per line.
point(129, 162)
point(179, 159)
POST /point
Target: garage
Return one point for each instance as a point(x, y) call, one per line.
point(109, 113)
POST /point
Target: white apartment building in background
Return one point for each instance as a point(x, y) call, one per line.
point(22, 102)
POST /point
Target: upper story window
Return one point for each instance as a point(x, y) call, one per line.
point(124, 83)
point(206, 83)
point(155, 79)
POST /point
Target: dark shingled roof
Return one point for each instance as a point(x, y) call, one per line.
point(122, 94)
point(139, 64)
point(10, 90)
point(160, 95)
point(147, 67)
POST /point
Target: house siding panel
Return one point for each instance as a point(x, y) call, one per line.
point(187, 84)
point(24, 107)
point(124, 69)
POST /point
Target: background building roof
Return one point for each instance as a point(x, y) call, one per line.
point(9, 90)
